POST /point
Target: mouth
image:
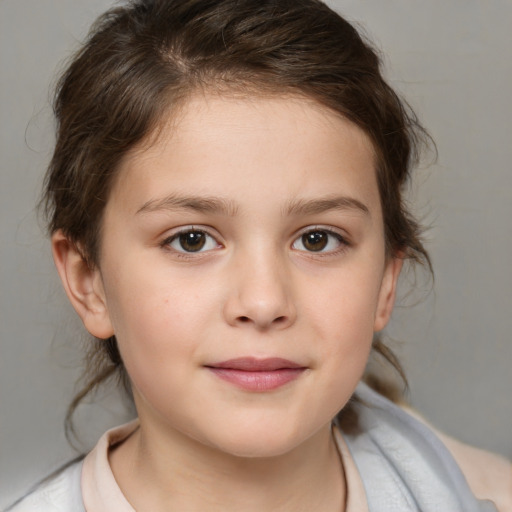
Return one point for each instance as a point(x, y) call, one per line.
point(258, 375)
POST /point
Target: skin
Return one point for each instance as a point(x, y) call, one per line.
point(272, 169)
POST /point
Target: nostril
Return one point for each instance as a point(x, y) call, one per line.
point(278, 320)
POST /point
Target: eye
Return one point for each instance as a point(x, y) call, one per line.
point(319, 240)
point(191, 240)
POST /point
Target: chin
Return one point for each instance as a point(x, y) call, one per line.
point(258, 448)
point(260, 441)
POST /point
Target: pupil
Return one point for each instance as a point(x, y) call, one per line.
point(192, 241)
point(315, 240)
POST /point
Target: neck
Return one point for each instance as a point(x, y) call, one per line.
point(161, 472)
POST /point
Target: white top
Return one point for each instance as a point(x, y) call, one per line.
point(90, 486)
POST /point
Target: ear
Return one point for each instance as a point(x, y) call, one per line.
point(387, 292)
point(83, 286)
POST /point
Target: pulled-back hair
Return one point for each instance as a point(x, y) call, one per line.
point(143, 60)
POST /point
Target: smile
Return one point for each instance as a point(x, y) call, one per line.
point(257, 375)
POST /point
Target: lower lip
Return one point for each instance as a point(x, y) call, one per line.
point(260, 380)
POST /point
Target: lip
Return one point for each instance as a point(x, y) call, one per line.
point(259, 375)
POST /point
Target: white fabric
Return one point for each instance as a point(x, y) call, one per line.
point(61, 494)
point(403, 464)
point(92, 481)
point(395, 463)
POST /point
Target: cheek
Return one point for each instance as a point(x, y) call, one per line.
point(155, 324)
point(342, 323)
point(148, 301)
point(158, 346)
point(345, 304)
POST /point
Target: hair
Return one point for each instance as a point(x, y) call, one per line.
point(142, 60)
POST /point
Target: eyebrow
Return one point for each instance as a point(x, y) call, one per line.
point(203, 204)
point(314, 206)
point(221, 206)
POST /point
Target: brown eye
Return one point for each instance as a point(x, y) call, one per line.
point(190, 241)
point(319, 240)
point(315, 240)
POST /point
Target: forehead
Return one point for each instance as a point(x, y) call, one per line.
point(239, 146)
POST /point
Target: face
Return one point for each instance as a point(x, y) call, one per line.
point(243, 271)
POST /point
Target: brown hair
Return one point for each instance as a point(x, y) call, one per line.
point(143, 59)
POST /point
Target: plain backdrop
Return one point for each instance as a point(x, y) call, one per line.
point(453, 61)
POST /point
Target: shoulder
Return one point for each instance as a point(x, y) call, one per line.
point(399, 451)
point(488, 475)
point(58, 494)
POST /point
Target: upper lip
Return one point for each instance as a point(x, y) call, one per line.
point(254, 364)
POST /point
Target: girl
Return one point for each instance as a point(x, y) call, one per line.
point(225, 207)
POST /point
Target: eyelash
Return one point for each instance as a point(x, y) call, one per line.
point(341, 240)
point(167, 243)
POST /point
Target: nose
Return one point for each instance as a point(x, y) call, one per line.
point(260, 293)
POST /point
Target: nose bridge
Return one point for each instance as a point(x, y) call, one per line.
point(261, 292)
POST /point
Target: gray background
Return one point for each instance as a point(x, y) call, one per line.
point(452, 59)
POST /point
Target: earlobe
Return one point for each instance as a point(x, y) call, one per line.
point(83, 286)
point(387, 293)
